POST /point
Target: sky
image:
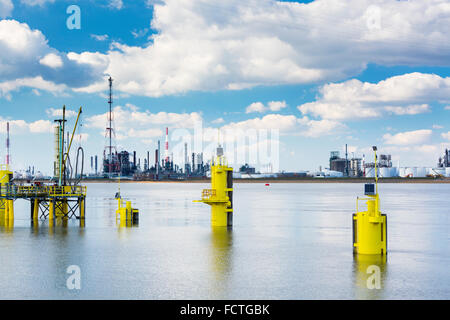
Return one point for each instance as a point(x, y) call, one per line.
point(298, 78)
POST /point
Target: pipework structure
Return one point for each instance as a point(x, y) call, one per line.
point(220, 196)
point(65, 199)
point(370, 226)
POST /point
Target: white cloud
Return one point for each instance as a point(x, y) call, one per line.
point(22, 127)
point(130, 122)
point(437, 126)
point(446, 136)
point(98, 37)
point(7, 86)
point(116, 4)
point(218, 121)
point(51, 112)
point(276, 105)
point(52, 60)
point(409, 110)
point(402, 95)
point(36, 2)
point(214, 45)
point(408, 138)
point(447, 108)
point(6, 8)
point(414, 155)
point(287, 124)
point(261, 108)
point(41, 126)
point(255, 107)
point(25, 54)
point(319, 128)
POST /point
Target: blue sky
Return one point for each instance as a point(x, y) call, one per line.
point(337, 72)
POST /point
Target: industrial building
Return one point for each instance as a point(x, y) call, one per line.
point(444, 162)
point(348, 167)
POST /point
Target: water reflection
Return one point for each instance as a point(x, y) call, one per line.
point(365, 271)
point(6, 224)
point(221, 258)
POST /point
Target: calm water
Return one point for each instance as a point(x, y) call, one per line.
point(289, 241)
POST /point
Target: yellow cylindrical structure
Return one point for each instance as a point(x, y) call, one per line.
point(128, 211)
point(5, 178)
point(35, 210)
point(219, 215)
point(370, 230)
point(82, 208)
point(370, 227)
point(220, 196)
point(51, 213)
point(10, 204)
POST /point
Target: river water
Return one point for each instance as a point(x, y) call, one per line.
point(289, 241)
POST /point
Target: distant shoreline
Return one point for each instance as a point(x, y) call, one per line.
point(284, 180)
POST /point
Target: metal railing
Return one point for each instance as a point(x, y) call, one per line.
point(14, 191)
point(208, 194)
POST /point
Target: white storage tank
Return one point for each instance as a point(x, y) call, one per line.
point(402, 172)
point(384, 173)
point(421, 172)
point(394, 172)
point(447, 172)
point(409, 172)
point(370, 172)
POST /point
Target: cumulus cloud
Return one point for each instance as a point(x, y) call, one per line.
point(408, 138)
point(130, 122)
point(51, 112)
point(218, 121)
point(255, 107)
point(24, 127)
point(401, 95)
point(6, 8)
point(6, 87)
point(287, 124)
point(27, 55)
point(446, 136)
point(214, 45)
point(419, 155)
point(52, 60)
point(261, 108)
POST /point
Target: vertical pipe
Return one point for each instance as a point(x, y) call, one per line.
point(166, 154)
point(230, 196)
point(51, 213)
point(63, 169)
point(35, 206)
point(7, 145)
point(11, 210)
point(6, 210)
point(82, 205)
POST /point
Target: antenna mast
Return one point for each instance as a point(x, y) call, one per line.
point(110, 161)
point(8, 159)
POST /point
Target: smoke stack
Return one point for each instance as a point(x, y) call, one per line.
point(166, 154)
point(7, 145)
